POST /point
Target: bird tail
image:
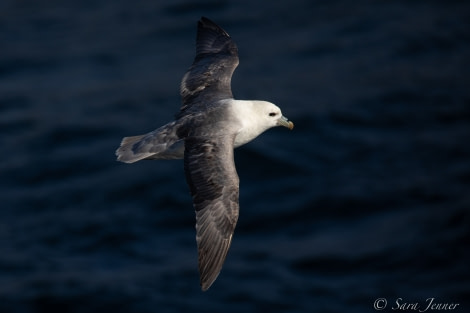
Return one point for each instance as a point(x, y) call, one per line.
point(162, 143)
point(125, 153)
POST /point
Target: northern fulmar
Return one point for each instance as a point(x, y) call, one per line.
point(209, 125)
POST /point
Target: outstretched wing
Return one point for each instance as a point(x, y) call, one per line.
point(209, 77)
point(213, 180)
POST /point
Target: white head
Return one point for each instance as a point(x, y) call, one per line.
point(257, 117)
point(271, 115)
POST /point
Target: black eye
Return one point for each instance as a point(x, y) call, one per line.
point(272, 114)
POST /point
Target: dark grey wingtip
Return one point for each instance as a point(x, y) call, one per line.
point(205, 286)
point(207, 282)
point(204, 22)
point(213, 39)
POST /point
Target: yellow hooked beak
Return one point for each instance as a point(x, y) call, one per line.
point(283, 121)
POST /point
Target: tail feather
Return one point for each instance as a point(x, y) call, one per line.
point(131, 139)
point(126, 152)
point(162, 143)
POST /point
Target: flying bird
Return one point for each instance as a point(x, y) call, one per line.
point(209, 125)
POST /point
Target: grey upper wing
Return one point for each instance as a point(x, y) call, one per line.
point(213, 180)
point(210, 75)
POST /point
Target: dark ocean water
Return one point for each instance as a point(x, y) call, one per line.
point(368, 197)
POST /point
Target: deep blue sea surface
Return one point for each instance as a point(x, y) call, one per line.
point(367, 198)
